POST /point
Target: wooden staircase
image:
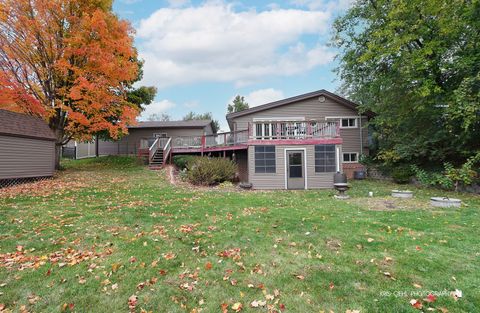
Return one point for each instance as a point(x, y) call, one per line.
point(159, 152)
point(157, 160)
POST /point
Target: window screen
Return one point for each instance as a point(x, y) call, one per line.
point(325, 159)
point(265, 159)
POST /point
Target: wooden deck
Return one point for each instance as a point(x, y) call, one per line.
point(258, 133)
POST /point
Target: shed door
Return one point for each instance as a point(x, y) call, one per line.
point(295, 169)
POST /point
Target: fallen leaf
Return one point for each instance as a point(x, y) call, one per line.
point(208, 266)
point(132, 302)
point(237, 307)
point(258, 303)
point(224, 307)
point(430, 298)
point(416, 304)
point(457, 294)
point(370, 239)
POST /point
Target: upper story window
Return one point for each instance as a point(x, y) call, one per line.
point(348, 123)
point(265, 159)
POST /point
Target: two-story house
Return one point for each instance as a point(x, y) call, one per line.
point(299, 142)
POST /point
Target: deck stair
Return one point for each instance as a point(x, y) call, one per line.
point(157, 160)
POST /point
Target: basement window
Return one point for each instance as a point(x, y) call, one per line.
point(350, 157)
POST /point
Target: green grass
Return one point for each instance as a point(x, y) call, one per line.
point(122, 210)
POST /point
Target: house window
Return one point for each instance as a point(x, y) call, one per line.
point(325, 159)
point(350, 157)
point(348, 123)
point(265, 159)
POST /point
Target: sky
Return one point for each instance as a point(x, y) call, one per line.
point(201, 54)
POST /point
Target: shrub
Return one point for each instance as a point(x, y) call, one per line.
point(402, 174)
point(210, 171)
point(181, 161)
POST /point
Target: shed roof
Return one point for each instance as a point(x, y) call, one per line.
point(173, 124)
point(22, 125)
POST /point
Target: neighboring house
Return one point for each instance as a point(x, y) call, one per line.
point(27, 147)
point(141, 136)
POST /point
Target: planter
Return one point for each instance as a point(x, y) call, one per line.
point(246, 185)
point(445, 202)
point(402, 193)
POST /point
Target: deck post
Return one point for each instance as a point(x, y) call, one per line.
point(224, 154)
point(203, 145)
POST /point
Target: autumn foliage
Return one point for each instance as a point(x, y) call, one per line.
point(70, 62)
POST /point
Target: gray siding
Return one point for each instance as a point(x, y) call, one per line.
point(242, 163)
point(314, 110)
point(277, 180)
point(351, 138)
point(25, 157)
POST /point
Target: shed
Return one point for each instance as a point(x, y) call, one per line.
point(27, 147)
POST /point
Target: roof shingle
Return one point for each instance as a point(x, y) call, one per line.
point(22, 125)
point(172, 124)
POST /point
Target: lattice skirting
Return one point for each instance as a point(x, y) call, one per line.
point(4, 183)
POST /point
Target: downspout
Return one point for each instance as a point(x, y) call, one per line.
point(361, 136)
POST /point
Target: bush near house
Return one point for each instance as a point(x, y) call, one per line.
point(210, 171)
point(181, 161)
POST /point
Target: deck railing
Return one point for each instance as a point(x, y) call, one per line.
point(226, 139)
point(158, 143)
point(167, 149)
point(257, 130)
point(270, 130)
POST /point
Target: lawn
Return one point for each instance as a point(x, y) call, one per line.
point(109, 235)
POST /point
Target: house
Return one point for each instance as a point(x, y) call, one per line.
point(299, 142)
point(295, 143)
point(27, 147)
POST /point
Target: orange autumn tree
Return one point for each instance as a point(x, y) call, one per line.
point(70, 62)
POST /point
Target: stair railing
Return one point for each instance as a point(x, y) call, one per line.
point(167, 150)
point(153, 149)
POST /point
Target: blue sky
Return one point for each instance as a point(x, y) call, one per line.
point(200, 54)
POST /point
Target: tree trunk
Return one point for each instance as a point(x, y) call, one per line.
point(58, 154)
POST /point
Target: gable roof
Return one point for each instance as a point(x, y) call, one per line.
point(173, 124)
point(305, 96)
point(22, 125)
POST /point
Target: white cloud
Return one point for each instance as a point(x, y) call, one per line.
point(191, 104)
point(263, 96)
point(157, 107)
point(178, 3)
point(331, 5)
point(213, 42)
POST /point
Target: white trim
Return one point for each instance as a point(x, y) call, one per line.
point(159, 135)
point(279, 119)
point(338, 158)
point(356, 153)
point(305, 162)
point(340, 117)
